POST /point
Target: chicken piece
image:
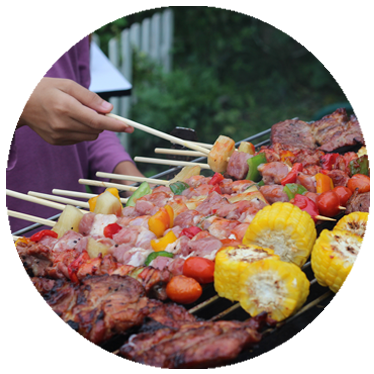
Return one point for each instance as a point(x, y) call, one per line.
point(274, 193)
point(273, 172)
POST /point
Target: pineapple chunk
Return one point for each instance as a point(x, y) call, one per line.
point(94, 248)
point(107, 203)
point(69, 220)
point(247, 147)
point(185, 173)
point(219, 155)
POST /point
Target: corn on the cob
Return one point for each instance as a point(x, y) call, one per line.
point(286, 229)
point(230, 263)
point(354, 222)
point(277, 287)
point(333, 256)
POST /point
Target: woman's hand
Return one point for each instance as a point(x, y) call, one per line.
point(63, 112)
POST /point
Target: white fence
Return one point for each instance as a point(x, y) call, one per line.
point(154, 37)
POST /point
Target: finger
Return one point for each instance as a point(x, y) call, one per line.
point(86, 97)
point(94, 120)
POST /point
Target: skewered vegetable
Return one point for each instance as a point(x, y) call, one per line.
point(200, 269)
point(292, 189)
point(328, 203)
point(307, 205)
point(354, 222)
point(41, 234)
point(161, 220)
point(68, 220)
point(253, 163)
point(344, 193)
point(183, 290)
point(328, 160)
point(286, 229)
point(111, 229)
point(360, 181)
point(230, 262)
point(142, 190)
point(221, 151)
point(178, 187)
point(159, 245)
point(359, 166)
point(323, 183)
point(333, 256)
point(274, 286)
point(154, 255)
point(291, 177)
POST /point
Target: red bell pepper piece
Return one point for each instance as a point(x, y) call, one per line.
point(328, 160)
point(41, 234)
point(111, 229)
point(190, 232)
point(74, 266)
point(307, 205)
point(292, 175)
point(216, 179)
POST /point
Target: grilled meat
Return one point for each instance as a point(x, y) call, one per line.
point(358, 202)
point(23, 294)
point(337, 130)
point(199, 344)
point(101, 306)
point(292, 134)
point(40, 261)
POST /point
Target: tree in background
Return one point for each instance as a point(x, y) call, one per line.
point(232, 74)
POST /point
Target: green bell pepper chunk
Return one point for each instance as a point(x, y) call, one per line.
point(178, 187)
point(141, 191)
point(292, 189)
point(253, 163)
point(359, 166)
point(153, 255)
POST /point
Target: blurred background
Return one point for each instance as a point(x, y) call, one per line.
point(212, 70)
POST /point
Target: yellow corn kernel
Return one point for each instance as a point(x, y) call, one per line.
point(230, 263)
point(354, 222)
point(333, 256)
point(286, 229)
point(276, 287)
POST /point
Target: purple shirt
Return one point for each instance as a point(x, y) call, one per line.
point(35, 165)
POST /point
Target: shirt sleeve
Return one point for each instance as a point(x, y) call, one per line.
point(105, 153)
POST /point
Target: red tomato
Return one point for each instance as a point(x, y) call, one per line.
point(183, 290)
point(344, 193)
point(360, 181)
point(111, 229)
point(200, 269)
point(328, 203)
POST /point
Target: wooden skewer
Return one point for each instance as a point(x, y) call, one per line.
point(123, 187)
point(131, 178)
point(28, 217)
point(178, 152)
point(60, 199)
point(12, 238)
point(323, 218)
point(160, 134)
point(34, 199)
point(83, 195)
point(342, 207)
point(170, 162)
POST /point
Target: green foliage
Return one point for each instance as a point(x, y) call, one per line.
point(232, 75)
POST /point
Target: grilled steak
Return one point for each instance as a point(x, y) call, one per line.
point(292, 134)
point(358, 202)
point(194, 344)
point(101, 306)
point(23, 294)
point(337, 130)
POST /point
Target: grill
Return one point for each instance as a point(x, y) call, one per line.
point(327, 331)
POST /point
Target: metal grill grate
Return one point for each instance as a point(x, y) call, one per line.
point(301, 341)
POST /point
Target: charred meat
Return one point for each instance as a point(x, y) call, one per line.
point(200, 344)
point(100, 306)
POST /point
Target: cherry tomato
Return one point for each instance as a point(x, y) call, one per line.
point(111, 229)
point(183, 290)
point(328, 203)
point(200, 269)
point(360, 181)
point(344, 193)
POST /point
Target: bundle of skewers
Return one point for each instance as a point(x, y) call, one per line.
point(251, 225)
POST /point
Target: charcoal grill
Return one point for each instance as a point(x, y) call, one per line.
point(327, 331)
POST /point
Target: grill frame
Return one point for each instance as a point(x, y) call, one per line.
point(276, 349)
